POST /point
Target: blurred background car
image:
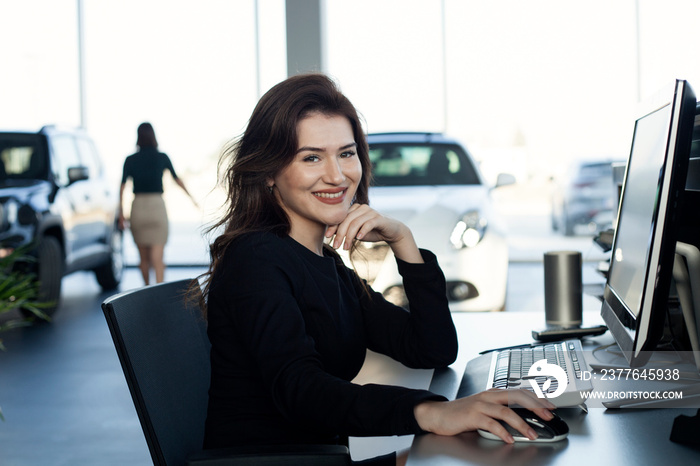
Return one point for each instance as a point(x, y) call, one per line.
point(586, 196)
point(431, 183)
point(56, 200)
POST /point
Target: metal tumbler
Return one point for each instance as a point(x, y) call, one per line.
point(563, 288)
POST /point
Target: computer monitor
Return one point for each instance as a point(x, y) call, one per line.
point(635, 297)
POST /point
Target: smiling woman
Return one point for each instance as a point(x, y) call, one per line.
point(316, 189)
point(289, 323)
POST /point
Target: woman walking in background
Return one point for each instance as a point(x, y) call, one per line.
point(149, 218)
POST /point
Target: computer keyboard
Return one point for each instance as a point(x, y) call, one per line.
point(549, 365)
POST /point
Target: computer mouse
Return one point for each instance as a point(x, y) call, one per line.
point(553, 430)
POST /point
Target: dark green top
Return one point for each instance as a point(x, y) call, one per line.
point(146, 168)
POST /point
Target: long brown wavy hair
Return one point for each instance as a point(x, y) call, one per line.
point(266, 147)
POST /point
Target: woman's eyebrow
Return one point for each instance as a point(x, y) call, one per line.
point(310, 149)
point(323, 149)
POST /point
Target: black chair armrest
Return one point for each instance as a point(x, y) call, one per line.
point(273, 455)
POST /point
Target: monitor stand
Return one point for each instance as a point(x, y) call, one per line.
point(686, 274)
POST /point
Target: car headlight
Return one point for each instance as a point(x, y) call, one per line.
point(469, 230)
point(8, 214)
point(11, 207)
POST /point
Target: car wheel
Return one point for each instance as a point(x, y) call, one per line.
point(109, 274)
point(567, 223)
point(49, 272)
point(554, 217)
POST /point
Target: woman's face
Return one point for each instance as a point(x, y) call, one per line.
point(318, 187)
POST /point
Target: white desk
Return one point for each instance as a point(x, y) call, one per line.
point(635, 437)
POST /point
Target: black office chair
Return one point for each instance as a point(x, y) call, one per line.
point(162, 344)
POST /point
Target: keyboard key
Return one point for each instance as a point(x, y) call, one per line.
point(511, 366)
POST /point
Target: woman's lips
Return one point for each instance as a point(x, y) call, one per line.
point(331, 197)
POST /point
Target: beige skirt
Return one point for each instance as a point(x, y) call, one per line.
point(149, 220)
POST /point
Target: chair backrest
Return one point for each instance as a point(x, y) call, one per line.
point(163, 348)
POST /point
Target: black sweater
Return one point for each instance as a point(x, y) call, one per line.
point(289, 331)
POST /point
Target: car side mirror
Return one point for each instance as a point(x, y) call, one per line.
point(78, 173)
point(504, 179)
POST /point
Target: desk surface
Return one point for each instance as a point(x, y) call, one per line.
point(635, 437)
point(627, 436)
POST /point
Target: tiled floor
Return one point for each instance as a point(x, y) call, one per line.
point(62, 390)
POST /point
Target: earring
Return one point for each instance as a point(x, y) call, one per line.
point(269, 189)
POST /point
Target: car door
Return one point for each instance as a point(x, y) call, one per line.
point(102, 197)
point(73, 198)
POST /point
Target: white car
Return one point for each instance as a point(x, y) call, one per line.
point(431, 183)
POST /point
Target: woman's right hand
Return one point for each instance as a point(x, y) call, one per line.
point(366, 224)
point(482, 411)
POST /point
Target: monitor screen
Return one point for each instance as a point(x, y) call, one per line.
point(641, 263)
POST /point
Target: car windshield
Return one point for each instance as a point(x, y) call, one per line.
point(420, 165)
point(595, 170)
point(22, 157)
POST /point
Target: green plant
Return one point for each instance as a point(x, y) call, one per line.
point(19, 290)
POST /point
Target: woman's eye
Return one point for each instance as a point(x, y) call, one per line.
point(311, 158)
point(348, 154)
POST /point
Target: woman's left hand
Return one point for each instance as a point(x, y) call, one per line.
point(366, 224)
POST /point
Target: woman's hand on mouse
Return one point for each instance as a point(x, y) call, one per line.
point(366, 224)
point(482, 411)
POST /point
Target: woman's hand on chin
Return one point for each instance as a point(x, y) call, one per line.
point(366, 224)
